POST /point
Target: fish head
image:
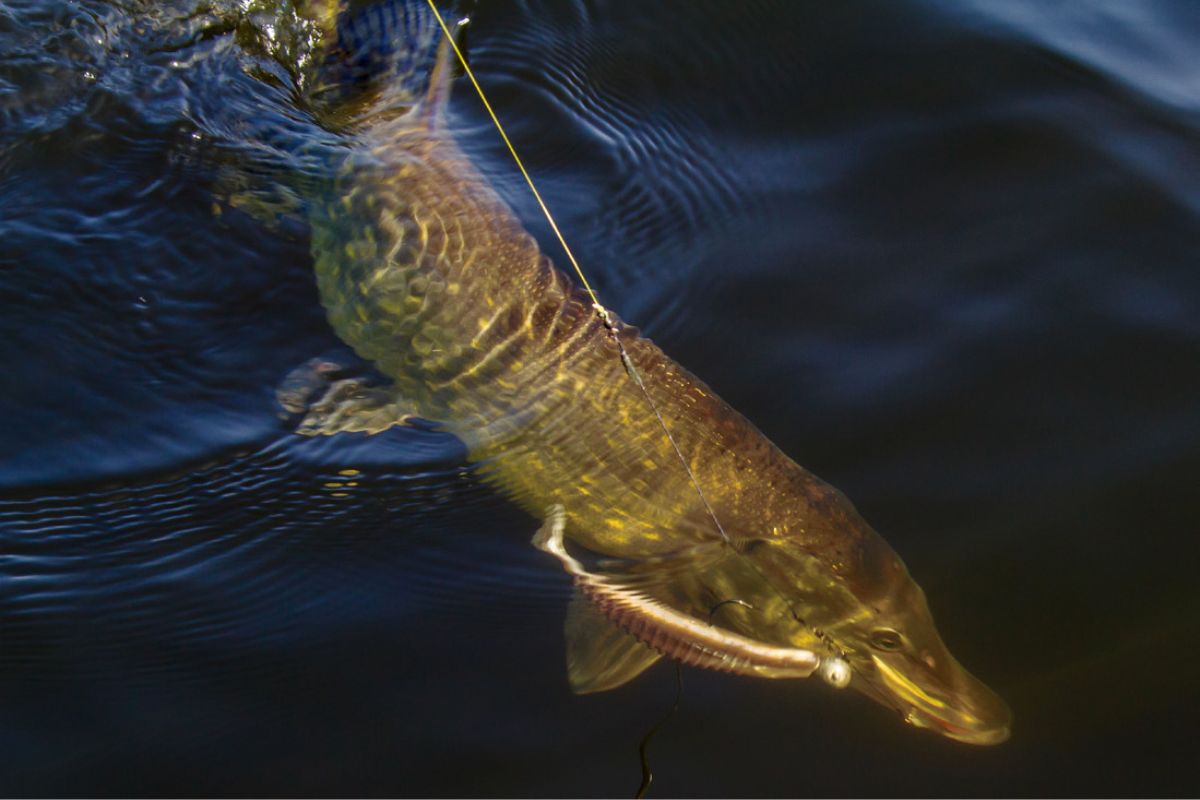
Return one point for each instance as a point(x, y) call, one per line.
point(898, 658)
point(860, 604)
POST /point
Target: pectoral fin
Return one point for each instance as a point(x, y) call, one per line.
point(600, 656)
point(345, 404)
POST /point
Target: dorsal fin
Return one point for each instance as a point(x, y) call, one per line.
point(437, 94)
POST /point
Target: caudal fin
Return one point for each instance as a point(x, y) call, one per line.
point(380, 58)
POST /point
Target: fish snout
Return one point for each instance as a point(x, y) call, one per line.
point(945, 698)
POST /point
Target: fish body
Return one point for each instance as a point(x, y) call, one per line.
point(426, 272)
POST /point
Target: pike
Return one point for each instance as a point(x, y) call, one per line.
point(711, 546)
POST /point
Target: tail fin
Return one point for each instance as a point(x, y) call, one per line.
point(380, 58)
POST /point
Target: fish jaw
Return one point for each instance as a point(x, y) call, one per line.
point(961, 708)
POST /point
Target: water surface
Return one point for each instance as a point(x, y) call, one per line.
point(943, 253)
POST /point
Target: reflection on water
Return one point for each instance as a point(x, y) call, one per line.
point(943, 254)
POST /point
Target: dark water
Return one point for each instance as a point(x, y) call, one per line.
point(944, 253)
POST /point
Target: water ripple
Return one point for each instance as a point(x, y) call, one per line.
point(667, 187)
point(258, 546)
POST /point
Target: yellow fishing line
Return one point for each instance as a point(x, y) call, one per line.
point(520, 165)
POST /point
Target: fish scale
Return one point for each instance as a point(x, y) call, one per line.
point(516, 355)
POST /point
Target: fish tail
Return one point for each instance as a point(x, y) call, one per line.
point(380, 57)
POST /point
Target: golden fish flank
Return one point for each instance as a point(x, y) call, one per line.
point(425, 271)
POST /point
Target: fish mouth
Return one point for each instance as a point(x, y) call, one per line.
point(967, 711)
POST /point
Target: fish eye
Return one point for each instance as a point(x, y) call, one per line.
point(886, 639)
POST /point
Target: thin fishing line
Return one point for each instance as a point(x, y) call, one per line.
point(520, 164)
point(603, 312)
point(643, 746)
